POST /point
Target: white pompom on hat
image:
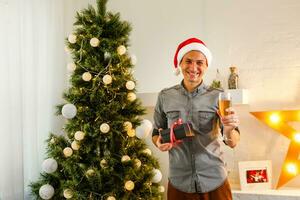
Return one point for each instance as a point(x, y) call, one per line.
point(190, 45)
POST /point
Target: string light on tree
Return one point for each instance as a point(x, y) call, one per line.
point(131, 132)
point(46, 191)
point(131, 96)
point(127, 125)
point(125, 158)
point(129, 185)
point(68, 152)
point(79, 135)
point(104, 128)
point(121, 50)
point(147, 151)
point(130, 85)
point(69, 111)
point(107, 55)
point(111, 198)
point(68, 193)
point(72, 38)
point(94, 42)
point(75, 146)
point(87, 76)
point(107, 79)
point(71, 67)
point(49, 165)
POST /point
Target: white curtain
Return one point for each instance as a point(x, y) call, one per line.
point(33, 76)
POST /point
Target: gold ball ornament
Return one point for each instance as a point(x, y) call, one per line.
point(131, 132)
point(130, 85)
point(121, 50)
point(127, 125)
point(104, 128)
point(75, 146)
point(131, 96)
point(125, 158)
point(94, 42)
point(107, 79)
point(129, 185)
point(68, 193)
point(137, 163)
point(86, 76)
point(52, 141)
point(147, 151)
point(111, 198)
point(67, 151)
point(72, 38)
point(71, 67)
point(90, 173)
point(103, 163)
point(79, 135)
point(161, 189)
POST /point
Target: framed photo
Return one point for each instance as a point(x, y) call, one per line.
point(255, 175)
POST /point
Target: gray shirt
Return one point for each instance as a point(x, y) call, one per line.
point(196, 165)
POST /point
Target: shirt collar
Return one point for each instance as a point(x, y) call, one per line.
point(199, 90)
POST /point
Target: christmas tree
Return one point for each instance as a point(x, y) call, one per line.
point(102, 154)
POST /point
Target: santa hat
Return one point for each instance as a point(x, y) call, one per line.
point(190, 45)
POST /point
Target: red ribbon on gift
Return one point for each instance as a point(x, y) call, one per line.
point(173, 139)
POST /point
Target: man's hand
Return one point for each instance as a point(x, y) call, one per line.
point(163, 147)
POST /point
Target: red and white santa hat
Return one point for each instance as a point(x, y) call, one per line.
point(190, 45)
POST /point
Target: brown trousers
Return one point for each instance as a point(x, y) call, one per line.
point(221, 193)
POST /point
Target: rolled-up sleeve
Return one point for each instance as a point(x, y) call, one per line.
point(160, 120)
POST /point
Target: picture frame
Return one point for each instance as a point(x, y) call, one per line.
point(255, 175)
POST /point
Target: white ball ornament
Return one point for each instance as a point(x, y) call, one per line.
point(75, 146)
point(87, 76)
point(94, 42)
point(104, 128)
point(133, 59)
point(46, 191)
point(79, 135)
point(157, 176)
point(67, 151)
point(121, 50)
point(147, 151)
point(68, 193)
point(69, 111)
point(111, 198)
point(161, 189)
point(125, 158)
point(49, 165)
point(144, 129)
point(130, 85)
point(127, 125)
point(71, 67)
point(107, 79)
point(72, 38)
point(131, 96)
point(129, 185)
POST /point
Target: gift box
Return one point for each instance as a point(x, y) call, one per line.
point(180, 131)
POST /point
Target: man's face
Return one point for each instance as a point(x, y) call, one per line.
point(193, 67)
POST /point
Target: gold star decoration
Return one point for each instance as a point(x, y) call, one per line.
point(279, 121)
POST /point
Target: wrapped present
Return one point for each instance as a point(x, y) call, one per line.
point(177, 132)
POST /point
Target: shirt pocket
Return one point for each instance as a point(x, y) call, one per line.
point(206, 121)
point(172, 116)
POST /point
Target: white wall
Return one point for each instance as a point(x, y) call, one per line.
point(262, 38)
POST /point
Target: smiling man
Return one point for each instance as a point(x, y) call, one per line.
point(197, 170)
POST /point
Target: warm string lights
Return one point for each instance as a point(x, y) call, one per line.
point(279, 121)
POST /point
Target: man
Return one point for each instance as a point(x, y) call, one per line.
point(197, 170)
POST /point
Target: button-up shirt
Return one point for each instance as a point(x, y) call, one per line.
point(196, 164)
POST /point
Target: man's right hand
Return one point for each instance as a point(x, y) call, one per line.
point(160, 146)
